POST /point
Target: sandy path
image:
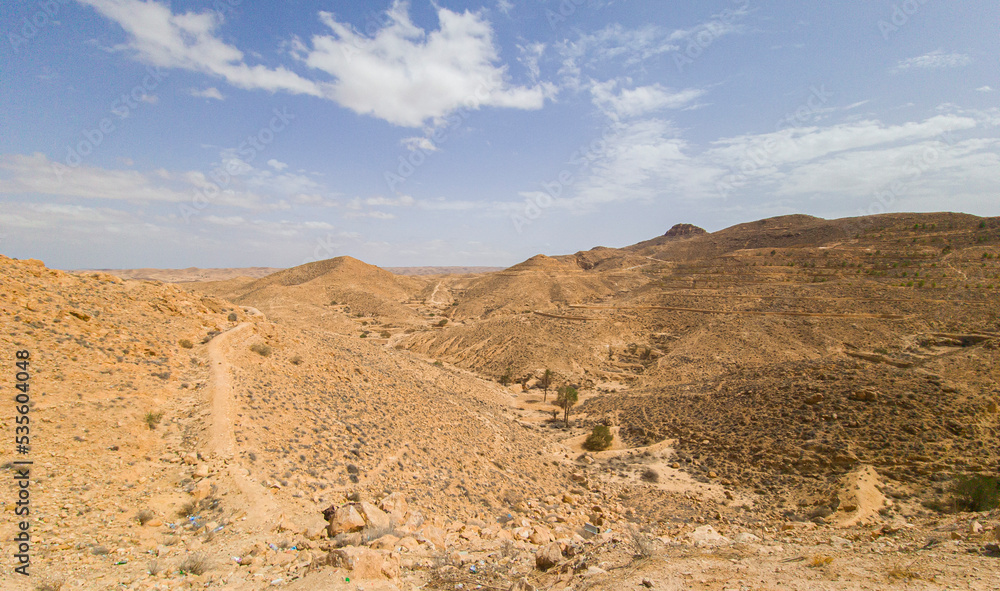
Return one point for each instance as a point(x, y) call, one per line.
point(261, 507)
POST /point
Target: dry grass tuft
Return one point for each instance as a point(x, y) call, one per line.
point(196, 564)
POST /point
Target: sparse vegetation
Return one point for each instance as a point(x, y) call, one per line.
point(599, 439)
point(443, 322)
point(186, 344)
point(144, 516)
point(296, 360)
point(546, 382)
point(195, 564)
point(642, 546)
point(567, 398)
point(650, 475)
point(152, 418)
point(261, 349)
point(506, 378)
point(820, 560)
point(977, 493)
point(232, 317)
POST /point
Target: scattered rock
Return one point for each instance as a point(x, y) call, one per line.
point(548, 556)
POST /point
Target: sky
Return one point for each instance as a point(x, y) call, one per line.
point(229, 133)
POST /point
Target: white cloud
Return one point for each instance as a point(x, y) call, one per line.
point(188, 41)
point(151, 99)
point(632, 47)
point(640, 100)
point(408, 76)
point(277, 165)
point(936, 59)
point(225, 221)
point(404, 75)
point(531, 55)
point(505, 6)
point(984, 89)
point(35, 174)
point(647, 160)
point(926, 167)
point(418, 143)
point(210, 92)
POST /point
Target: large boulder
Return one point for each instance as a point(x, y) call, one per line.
point(344, 520)
point(395, 505)
point(374, 517)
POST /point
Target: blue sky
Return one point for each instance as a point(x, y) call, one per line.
point(234, 133)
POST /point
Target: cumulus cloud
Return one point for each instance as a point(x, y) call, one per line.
point(276, 164)
point(188, 41)
point(409, 77)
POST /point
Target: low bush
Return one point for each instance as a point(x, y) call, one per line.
point(599, 439)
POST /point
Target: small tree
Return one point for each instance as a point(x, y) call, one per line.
point(506, 378)
point(567, 398)
point(545, 383)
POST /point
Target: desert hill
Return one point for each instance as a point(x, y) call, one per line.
point(220, 430)
point(793, 402)
point(327, 292)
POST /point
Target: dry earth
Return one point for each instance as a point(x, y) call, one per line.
point(792, 402)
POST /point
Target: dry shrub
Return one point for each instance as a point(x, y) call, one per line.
point(196, 564)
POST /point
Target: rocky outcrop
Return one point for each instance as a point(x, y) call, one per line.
point(684, 231)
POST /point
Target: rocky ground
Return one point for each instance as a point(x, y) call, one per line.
point(792, 402)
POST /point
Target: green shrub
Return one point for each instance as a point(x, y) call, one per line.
point(152, 419)
point(977, 493)
point(261, 349)
point(443, 322)
point(599, 439)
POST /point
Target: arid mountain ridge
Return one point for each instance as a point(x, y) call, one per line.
point(791, 401)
